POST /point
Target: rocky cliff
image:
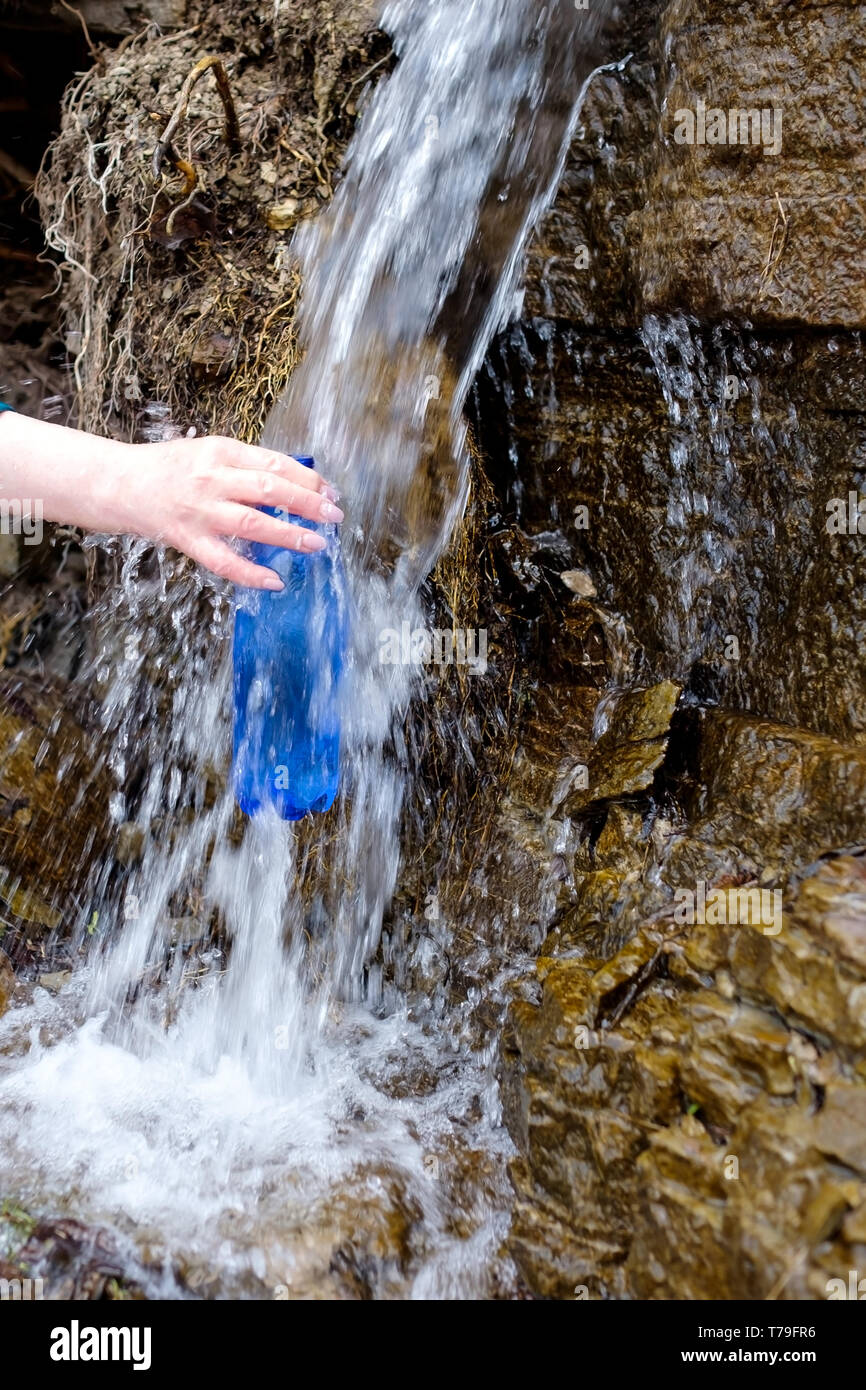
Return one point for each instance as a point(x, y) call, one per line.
point(675, 431)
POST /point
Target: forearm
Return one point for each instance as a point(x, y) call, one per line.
point(188, 493)
point(77, 478)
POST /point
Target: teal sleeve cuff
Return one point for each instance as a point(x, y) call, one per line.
point(4, 406)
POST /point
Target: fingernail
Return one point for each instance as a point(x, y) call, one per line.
point(328, 512)
point(274, 582)
point(314, 542)
point(330, 492)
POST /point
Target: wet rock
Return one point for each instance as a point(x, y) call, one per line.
point(833, 901)
point(76, 1261)
point(129, 846)
point(790, 974)
point(632, 747)
point(579, 582)
point(580, 266)
point(54, 980)
point(702, 517)
point(725, 225)
point(53, 804)
point(840, 1128)
point(854, 1226)
point(336, 1255)
point(618, 847)
point(596, 920)
point(727, 574)
point(772, 230)
point(779, 794)
point(27, 905)
point(555, 750)
point(682, 1102)
point(355, 1243)
point(186, 931)
point(664, 1075)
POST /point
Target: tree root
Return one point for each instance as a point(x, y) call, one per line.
point(232, 128)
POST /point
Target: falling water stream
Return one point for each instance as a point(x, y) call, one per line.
point(262, 1116)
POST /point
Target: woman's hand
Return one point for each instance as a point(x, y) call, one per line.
point(189, 493)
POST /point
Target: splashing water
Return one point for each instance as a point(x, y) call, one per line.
point(229, 1085)
point(694, 381)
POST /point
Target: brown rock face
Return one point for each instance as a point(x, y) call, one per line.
point(755, 206)
point(708, 476)
point(689, 1110)
point(729, 539)
point(632, 748)
point(54, 814)
point(683, 1071)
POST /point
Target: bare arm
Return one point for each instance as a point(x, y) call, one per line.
point(189, 493)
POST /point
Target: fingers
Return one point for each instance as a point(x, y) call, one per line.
point(221, 560)
point(249, 525)
point(258, 460)
point(274, 490)
point(218, 494)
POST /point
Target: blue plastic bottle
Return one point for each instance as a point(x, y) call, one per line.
point(288, 659)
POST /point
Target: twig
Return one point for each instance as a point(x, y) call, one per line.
point(189, 188)
point(304, 158)
point(232, 128)
point(635, 987)
point(774, 251)
point(363, 77)
point(80, 17)
point(286, 304)
point(179, 207)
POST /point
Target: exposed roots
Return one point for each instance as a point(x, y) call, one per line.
point(170, 203)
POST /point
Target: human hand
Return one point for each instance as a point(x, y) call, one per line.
point(192, 493)
point(189, 493)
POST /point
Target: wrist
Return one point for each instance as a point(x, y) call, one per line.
point(114, 488)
